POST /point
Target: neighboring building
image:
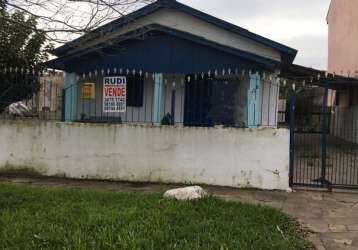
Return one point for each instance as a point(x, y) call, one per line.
point(211, 63)
point(342, 22)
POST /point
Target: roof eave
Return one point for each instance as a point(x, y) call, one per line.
point(60, 51)
point(318, 77)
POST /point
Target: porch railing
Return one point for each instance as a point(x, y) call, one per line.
point(198, 100)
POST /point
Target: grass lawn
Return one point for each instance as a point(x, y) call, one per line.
point(51, 218)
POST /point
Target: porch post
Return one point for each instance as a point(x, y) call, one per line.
point(325, 131)
point(157, 99)
point(292, 123)
point(70, 95)
point(253, 103)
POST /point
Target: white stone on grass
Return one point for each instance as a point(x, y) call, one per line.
point(187, 193)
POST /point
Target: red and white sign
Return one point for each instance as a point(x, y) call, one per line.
point(114, 94)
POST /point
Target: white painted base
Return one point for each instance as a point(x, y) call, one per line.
point(247, 158)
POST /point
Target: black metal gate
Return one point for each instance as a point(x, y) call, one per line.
point(324, 140)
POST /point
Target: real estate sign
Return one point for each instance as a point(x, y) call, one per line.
point(88, 91)
point(114, 94)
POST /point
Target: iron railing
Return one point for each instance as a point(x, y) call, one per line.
point(31, 95)
point(324, 144)
point(232, 100)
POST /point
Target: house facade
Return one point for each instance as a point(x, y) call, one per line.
point(169, 64)
point(179, 64)
point(164, 64)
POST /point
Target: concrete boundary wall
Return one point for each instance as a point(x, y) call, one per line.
point(254, 158)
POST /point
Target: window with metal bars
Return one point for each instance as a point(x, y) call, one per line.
point(135, 91)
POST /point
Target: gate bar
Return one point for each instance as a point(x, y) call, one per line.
point(325, 127)
point(292, 136)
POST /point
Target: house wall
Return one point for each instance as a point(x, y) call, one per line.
point(250, 158)
point(265, 110)
point(241, 101)
point(344, 123)
point(171, 82)
point(94, 108)
point(162, 53)
point(348, 97)
point(269, 90)
point(183, 22)
point(343, 96)
point(343, 37)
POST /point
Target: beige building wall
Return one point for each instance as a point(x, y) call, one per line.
point(342, 22)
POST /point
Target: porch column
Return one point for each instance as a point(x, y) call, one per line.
point(157, 99)
point(70, 97)
point(253, 103)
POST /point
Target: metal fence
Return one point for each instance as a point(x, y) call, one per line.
point(324, 148)
point(31, 95)
point(204, 100)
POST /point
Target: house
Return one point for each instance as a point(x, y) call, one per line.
point(179, 66)
point(169, 64)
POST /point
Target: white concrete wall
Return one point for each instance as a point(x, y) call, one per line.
point(225, 157)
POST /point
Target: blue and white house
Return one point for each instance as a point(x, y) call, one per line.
point(164, 64)
point(180, 64)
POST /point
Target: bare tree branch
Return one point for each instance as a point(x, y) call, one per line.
point(64, 20)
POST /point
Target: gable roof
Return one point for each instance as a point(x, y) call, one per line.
point(288, 54)
point(60, 63)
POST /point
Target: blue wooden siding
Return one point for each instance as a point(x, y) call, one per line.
point(161, 53)
point(71, 96)
point(157, 99)
point(253, 103)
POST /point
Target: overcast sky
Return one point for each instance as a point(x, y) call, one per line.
point(300, 24)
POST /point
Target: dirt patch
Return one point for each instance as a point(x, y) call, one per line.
point(19, 171)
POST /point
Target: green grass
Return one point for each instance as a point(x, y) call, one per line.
point(45, 218)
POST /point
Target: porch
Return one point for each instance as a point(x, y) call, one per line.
point(232, 100)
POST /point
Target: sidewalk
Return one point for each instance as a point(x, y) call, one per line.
point(332, 218)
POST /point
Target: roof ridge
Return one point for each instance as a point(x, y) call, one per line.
point(166, 1)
